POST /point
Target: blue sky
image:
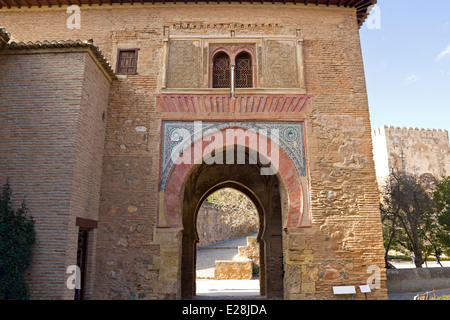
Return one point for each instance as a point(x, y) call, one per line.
point(407, 64)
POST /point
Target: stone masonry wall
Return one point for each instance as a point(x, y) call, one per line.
point(345, 237)
point(416, 151)
point(417, 280)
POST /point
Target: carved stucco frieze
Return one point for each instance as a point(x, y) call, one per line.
point(184, 64)
point(280, 67)
point(275, 62)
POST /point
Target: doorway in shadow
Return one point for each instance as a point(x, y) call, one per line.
point(264, 191)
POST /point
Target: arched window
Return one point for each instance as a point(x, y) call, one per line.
point(221, 71)
point(244, 70)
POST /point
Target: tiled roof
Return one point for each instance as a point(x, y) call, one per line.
point(4, 37)
point(61, 44)
point(65, 44)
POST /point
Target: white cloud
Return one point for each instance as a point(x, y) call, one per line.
point(443, 54)
point(413, 77)
point(445, 25)
point(383, 64)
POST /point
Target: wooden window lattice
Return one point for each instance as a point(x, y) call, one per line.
point(221, 71)
point(127, 62)
point(244, 71)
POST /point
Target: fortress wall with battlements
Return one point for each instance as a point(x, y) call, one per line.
point(412, 150)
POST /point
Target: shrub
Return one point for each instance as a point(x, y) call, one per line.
point(17, 236)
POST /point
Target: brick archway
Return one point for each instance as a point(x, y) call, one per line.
point(281, 192)
point(264, 191)
point(294, 186)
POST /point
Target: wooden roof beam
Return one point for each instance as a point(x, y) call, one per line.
point(6, 4)
point(361, 3)
point(17, 4)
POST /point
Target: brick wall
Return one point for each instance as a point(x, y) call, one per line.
point(51, 149)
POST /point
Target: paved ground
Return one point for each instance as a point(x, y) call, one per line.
point(411, 295)
point(207, 255)
point(223, 289)
point(249, 289)
point(228, 289)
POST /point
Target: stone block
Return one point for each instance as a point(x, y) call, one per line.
point(233, 270)
point(308, 288)
point(250, 251)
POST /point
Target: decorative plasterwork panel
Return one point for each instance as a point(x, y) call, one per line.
point(280, 65)
point(177, 136)
point(184, 64)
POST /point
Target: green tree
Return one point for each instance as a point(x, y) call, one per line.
point(407, 210)
point(17, 237)
point(442, 201)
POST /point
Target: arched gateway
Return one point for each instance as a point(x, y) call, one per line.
point(244, 156)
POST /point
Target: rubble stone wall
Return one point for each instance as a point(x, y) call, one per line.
point(216, 223)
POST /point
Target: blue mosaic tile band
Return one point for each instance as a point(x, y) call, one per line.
point(176, 136)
